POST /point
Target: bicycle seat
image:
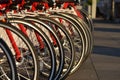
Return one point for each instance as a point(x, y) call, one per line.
point(27, 6)
point(14, 4)
point(62, 1)
point(16, 1)
point(13, 7)
point(39, 6)
point(39, 1)
point(4, 1)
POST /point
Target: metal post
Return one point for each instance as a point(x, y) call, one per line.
point(113, 9)
point(94, 4)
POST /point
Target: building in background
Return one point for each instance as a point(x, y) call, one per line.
point(117, 9)
point(108, 9)
point(104, 9)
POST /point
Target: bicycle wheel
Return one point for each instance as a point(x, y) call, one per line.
point(66, 42)
point(8, 69)
point(27, 63)
point(87, 19)
point(79, 37)
point(47, 59)
point(79, 21)
point(89, 38)
point(59, 52)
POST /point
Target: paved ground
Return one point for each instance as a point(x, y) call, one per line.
point(104, 63)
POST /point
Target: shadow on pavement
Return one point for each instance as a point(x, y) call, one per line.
point(105, 21)
point(107, 29)
point(110, 51)
point(104, 61)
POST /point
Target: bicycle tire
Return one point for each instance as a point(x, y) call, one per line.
point(12, 74)
point(88, 33)
point(60, 68)
point(62, 28)
point(79, 32)
point(26, 41)
point(87, 18)
point(43, 35)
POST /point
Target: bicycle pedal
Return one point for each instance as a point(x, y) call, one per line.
point(43, 53)
point(56, 50)
point(41, 65)
point(19, 61)
point(3, 60)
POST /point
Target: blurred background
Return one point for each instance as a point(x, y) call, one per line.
point(106, 9)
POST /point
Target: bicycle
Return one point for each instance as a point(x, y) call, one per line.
point(28, 56)
point(27, 48)
point(32, 20)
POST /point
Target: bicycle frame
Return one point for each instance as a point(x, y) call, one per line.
point(16, 49)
